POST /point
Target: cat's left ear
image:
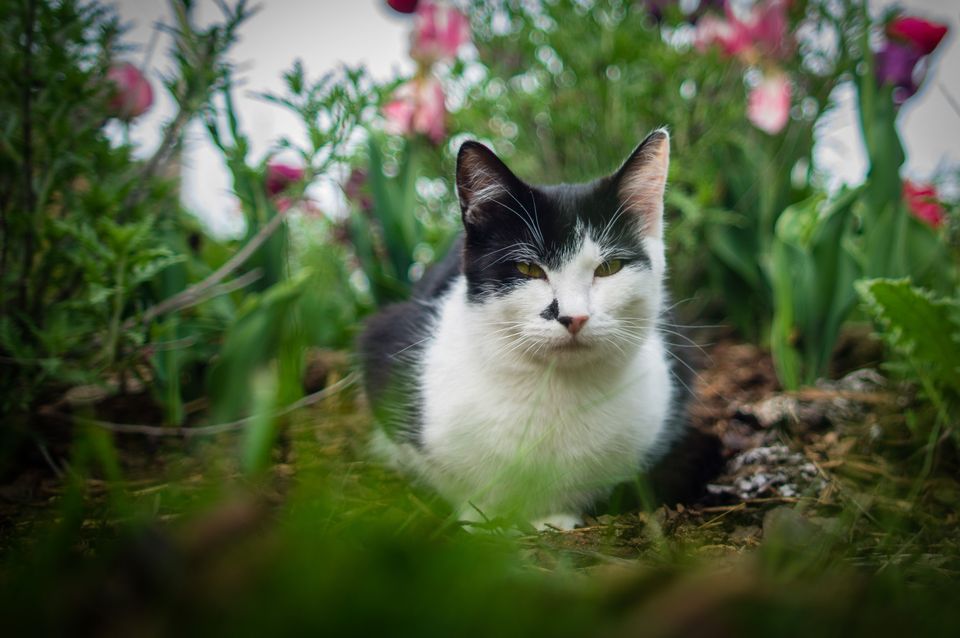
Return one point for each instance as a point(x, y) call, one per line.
point(641, 181)
point(481, 178)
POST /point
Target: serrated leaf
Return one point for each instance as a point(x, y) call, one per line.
point(922, 327)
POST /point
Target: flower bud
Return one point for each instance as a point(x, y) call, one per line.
point(132, 94)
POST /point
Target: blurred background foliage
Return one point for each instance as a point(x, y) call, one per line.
point(122, 316)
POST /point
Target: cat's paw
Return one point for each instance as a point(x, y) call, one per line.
point(562, 522)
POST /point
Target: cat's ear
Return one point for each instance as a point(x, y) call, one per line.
point(481, 178)
point(642, 179)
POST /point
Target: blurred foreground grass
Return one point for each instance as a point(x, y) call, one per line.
point(326, 542)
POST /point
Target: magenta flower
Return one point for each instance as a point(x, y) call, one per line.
point(899, 62)
point(768, 29)
point(768, 105)
point(417, 107)
point(438, 33)
point(403, 6)
point(714, 30)
point(132, 94)
point(921, 34)
point(280, 176)
point(924, 203)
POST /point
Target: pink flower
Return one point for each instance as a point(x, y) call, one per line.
point(923, 202)
point(305, 206)
point(417, 107)
point(132, 94)
point(923, 35)
point(438, 32)
point(768, 29)
point(761, 32)
point(768, 105)
point(712, 29)
point(280, 176)
point(403, 6)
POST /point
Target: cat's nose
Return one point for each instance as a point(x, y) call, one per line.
point(574, 324)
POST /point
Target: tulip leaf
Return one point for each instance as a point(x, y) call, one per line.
point(812, 272)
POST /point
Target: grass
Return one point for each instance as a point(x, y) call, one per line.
point(327, 542)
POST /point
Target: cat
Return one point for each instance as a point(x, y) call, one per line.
point(528, 375)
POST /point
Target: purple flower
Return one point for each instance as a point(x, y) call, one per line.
point(656, 8)
point(896, 65)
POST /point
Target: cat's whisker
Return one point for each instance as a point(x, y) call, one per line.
point(536, 230)
point(412, 345)
point(677, 303)
point(536, 216)
point(604, 238)
point(686, 365)
point(686, 387)
point(519, 251)
point(613, 343)
point(666, 331)
point(694, 326)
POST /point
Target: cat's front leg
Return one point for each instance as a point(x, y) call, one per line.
point(562, 522)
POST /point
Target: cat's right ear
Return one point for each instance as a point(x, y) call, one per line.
point(642, 179)
point(481, 178)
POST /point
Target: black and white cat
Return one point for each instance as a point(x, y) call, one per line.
point(527, 376)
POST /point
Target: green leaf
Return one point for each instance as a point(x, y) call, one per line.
point(811, 272)
point(252, 342)
point(261, 432)
point(920, 326)
point(736, 248)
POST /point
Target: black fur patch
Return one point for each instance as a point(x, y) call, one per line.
point(552, 311)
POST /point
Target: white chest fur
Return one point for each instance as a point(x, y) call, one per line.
point(502, 435)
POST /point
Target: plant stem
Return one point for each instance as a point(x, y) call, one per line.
point(113, 336)
point(28, 196)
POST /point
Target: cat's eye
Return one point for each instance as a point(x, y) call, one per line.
point(608, 268)
point(531, 270)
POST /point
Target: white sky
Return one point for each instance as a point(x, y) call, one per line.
point(325, 33)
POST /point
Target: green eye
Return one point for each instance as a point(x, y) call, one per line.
point(608, 268)
point(531, 270)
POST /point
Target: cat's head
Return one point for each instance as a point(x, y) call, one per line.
point(566, 273)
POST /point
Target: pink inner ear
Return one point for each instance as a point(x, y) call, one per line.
point(643, 181)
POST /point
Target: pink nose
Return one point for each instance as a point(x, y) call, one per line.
point(574, 324)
